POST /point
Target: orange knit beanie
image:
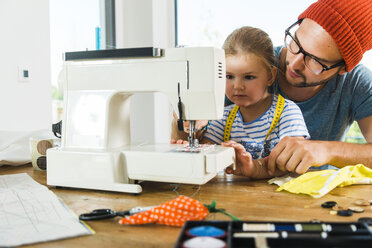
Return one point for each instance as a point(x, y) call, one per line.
point(349, 22)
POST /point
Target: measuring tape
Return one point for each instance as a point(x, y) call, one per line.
point(277, 114)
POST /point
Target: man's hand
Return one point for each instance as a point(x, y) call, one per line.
point(297, 154)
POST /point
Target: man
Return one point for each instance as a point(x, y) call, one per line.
point(320, 72)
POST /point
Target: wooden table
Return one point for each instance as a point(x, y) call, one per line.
point(245, 199)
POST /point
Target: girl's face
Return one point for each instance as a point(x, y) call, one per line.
point(247, 79)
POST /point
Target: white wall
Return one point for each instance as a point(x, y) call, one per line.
point(24, 32)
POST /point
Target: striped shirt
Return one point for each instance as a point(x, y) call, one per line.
point(252, 134)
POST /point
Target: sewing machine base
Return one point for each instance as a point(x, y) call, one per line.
point(116, 170)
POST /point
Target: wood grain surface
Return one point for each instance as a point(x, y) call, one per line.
point(245, 199)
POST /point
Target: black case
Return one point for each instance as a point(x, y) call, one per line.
point(362, 237)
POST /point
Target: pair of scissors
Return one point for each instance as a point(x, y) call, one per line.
point(106, 213)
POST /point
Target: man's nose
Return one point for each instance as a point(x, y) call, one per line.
point(298, 62)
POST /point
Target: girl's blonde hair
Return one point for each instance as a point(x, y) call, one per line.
point(251, 40)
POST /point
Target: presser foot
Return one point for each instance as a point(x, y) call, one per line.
point(196, 149)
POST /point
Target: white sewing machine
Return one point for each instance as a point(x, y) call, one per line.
point(97, 148)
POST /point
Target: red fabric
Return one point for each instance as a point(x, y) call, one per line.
point(172, 213)
point(349, 22)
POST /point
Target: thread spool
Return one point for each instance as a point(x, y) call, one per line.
point(38, 149)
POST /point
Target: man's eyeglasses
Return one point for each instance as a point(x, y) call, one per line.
point(311, 62)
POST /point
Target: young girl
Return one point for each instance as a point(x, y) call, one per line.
point(255, 120)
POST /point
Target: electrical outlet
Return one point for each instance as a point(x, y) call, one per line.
point(24, 75)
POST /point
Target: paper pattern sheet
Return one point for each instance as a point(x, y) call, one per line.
point(31, 213)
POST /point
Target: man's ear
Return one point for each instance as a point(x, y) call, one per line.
point(272, 75)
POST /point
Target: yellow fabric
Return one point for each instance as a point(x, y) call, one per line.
point(319, 183)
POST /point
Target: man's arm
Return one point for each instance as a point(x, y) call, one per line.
point(365, 126)
point(293, 154)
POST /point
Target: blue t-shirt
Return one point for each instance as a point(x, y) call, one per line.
point(345, 98)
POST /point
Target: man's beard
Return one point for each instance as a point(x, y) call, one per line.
point(304, 84)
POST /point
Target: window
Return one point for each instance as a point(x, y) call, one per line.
point(72, 28)
point(208, 22)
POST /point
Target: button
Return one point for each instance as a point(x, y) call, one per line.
point(356, 209)
point(333, 212)
point(344, 212)
point(362, 203)
point(329, 204)
point(367, 220)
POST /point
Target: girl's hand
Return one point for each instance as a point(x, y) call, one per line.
point(199, 124)
point(179, 141)
point(244, 161)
